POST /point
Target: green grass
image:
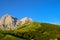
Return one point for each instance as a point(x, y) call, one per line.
point(9, 37)
point(33, 30)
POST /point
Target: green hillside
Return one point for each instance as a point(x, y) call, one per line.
point(32, 30)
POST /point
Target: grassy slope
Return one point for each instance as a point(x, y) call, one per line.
point(33, 30)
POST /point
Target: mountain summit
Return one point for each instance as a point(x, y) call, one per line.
point(9, 22)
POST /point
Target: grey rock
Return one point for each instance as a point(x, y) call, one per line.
point(7, 22)
point(23, 21)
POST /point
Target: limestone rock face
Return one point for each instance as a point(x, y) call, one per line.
point(23, 21)
point(8, 22)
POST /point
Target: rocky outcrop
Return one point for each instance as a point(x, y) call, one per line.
point(8, 22)
point(23, 21)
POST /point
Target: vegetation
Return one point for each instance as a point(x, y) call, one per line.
point(9, 37)
point(32, 30)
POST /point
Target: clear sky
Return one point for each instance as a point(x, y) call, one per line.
point(38, 10)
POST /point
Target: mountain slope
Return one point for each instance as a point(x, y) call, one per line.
point(39, 31)
point(8, 22)
point(36, 31)
point(25, 29)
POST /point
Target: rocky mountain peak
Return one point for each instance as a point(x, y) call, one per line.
point(26, 19)
point(23, 21)
point(8, 22)
point(6, 15)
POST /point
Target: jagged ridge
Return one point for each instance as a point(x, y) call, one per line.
point(8, 22)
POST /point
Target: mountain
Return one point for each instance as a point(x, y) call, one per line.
point(8, 22)
point(12, 28)
point(32, 31)
point(23, 21)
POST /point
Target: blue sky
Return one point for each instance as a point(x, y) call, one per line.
point(39, 10)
